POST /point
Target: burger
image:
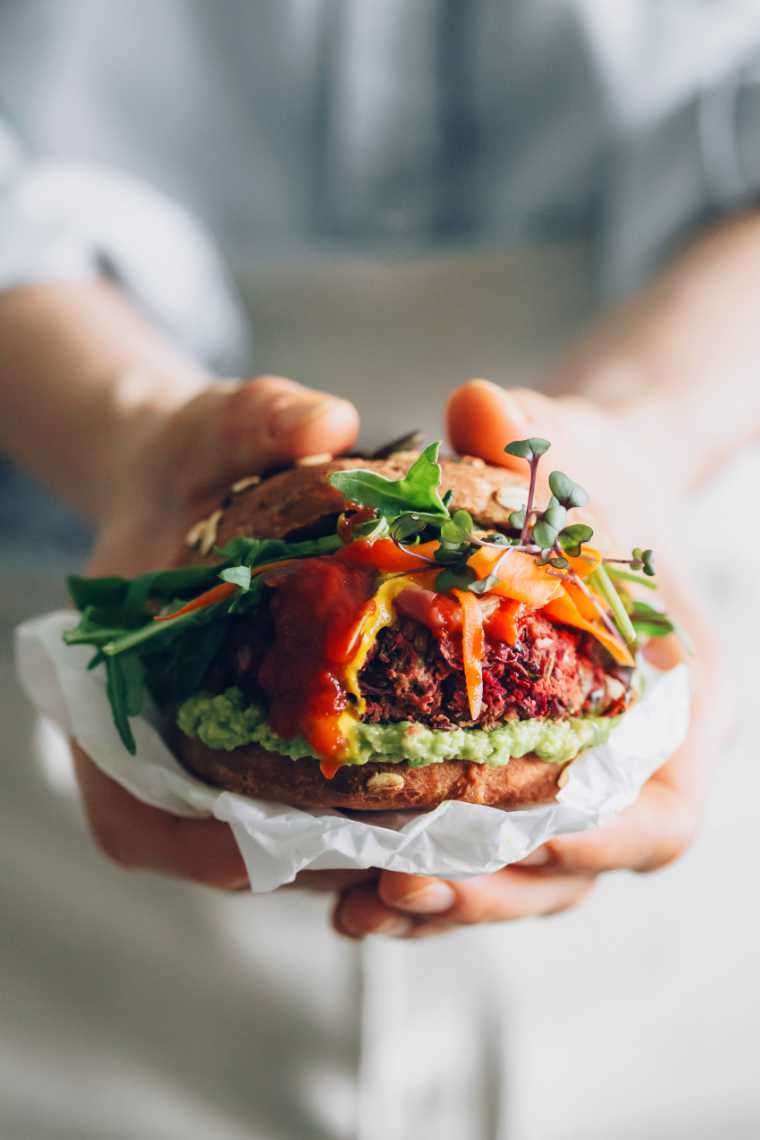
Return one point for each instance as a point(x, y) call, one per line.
point(380, 633)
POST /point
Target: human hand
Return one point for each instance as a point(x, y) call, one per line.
point(180, 464)
point(600, 449)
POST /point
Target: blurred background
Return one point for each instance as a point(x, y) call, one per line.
point(359, 256)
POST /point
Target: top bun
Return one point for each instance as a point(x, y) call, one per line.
point(298, 502)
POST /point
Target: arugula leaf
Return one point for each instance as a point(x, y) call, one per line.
point(372, 528)
point(93, 629)
point(455, 578)
point(650, 621)
point(177, 673)
point(124, 686)
point(170, 658)
point(254, 551)
point(86, 592)
point(458, 528)
point(162, 632)
point(415, 492)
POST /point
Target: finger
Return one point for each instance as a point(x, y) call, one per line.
point(649, 835)
point(503, 896)
point(332, 881)
point(134, 835)
point(239, 428)
point(482, 418)
point(359, 912)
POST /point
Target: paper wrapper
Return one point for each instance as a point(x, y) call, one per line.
point(455, 840)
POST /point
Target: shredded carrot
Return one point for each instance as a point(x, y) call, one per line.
point(518, 575)
point(502, 624)
point(215, 594)
point(473, 648)
point(583, 603)
point(385, 555)
point(266, 567)
point(565, 610)
point(224, 590)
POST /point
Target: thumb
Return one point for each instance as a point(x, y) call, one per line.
point(235, 428)
point(483, 418)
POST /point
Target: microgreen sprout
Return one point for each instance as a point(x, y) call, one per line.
point(531, 451)
point(569, 493)
point(572, 537)
point(640, 560)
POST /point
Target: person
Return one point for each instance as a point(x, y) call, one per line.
point(372, 126)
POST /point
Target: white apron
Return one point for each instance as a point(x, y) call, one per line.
point(137, 1007)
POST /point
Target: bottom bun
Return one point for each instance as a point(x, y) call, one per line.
point(252, 771)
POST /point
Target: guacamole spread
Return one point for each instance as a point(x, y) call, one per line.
point(229, 720)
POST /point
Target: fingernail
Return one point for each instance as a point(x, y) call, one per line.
point(297, 413)
point(538, 858)
point(433, 899)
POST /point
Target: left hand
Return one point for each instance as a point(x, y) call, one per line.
point(600, 450)
point(177, 467)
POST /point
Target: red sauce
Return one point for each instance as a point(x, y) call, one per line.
point(316, 610)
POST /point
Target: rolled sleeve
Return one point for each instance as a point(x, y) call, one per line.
point(731, 137)
point(66, 221)
point(695, 159)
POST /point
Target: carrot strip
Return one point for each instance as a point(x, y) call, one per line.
point(224, 590)
point(385, 555)
point(518, 575)
point(473, 648)
point(210, 598)
point(566, 611)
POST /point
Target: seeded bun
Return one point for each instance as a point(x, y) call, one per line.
point(300, 502)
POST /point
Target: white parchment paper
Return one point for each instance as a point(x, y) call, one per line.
point(455, 840)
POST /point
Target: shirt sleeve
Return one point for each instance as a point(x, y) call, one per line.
point(68, 221)
point(673, 173)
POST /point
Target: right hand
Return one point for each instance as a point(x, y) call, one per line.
point(180, 466)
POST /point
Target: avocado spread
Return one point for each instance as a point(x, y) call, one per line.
point(229, 720)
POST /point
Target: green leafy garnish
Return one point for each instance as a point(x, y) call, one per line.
point(169, 658)
point(455, 578)
point(650, 621)
point(416, 492)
